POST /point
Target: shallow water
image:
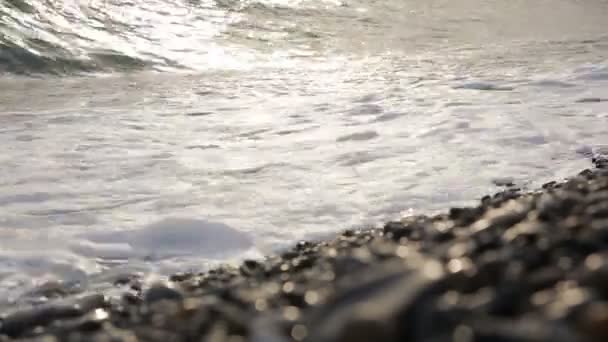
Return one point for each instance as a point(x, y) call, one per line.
point(160, 136)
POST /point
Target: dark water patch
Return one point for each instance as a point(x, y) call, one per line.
point(358, 158)
point(254, 135)
point(206, 92)
point(35, 197)
point(323, 107)
point(366, 109)
point(553, 84)
point(199, 113)
point(288, 131)
point(591, 100)
point(137, 127)
point(387, 117)
point(359, 136)
point(63, 120)
point(585, 151)
point(229, 109)
point(203, 147)
point(458, 104)
point(462, 125)
point(296, 130)
point(254, 170)
point(367, 98)
point(483, 86)
point(524, 141)
point(27, 138)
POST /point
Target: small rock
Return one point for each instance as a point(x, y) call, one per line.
point(160, 292)
point(251, 268)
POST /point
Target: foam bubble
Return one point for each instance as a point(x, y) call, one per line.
point(106, 250)
point(166, 238)
point(181, 235)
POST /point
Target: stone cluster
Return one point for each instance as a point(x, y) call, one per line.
point(520, 266)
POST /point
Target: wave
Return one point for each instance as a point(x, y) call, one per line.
point(42, 37)
point(76, 36)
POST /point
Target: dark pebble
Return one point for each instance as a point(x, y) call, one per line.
point(161, 292)
point(17, 323)
point(251, 268)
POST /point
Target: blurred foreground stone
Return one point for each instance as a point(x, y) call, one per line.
point(518, 267)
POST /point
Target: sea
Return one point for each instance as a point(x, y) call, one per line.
point(150, 137)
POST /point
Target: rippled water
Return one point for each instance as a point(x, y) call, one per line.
point(157, 136)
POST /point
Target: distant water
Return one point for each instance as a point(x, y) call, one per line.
point(154, 136)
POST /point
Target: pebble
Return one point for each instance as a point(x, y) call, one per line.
point(519, 266)
point(160, 292)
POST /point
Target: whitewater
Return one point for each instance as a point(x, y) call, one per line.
point(153, 137)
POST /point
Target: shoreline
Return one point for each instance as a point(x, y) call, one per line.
point(520, 266)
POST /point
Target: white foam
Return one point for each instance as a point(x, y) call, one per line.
point(160, 248)
point(23, 271)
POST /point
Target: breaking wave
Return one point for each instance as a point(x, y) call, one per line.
point(67, 37)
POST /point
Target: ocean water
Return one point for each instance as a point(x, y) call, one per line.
point(160, 136)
